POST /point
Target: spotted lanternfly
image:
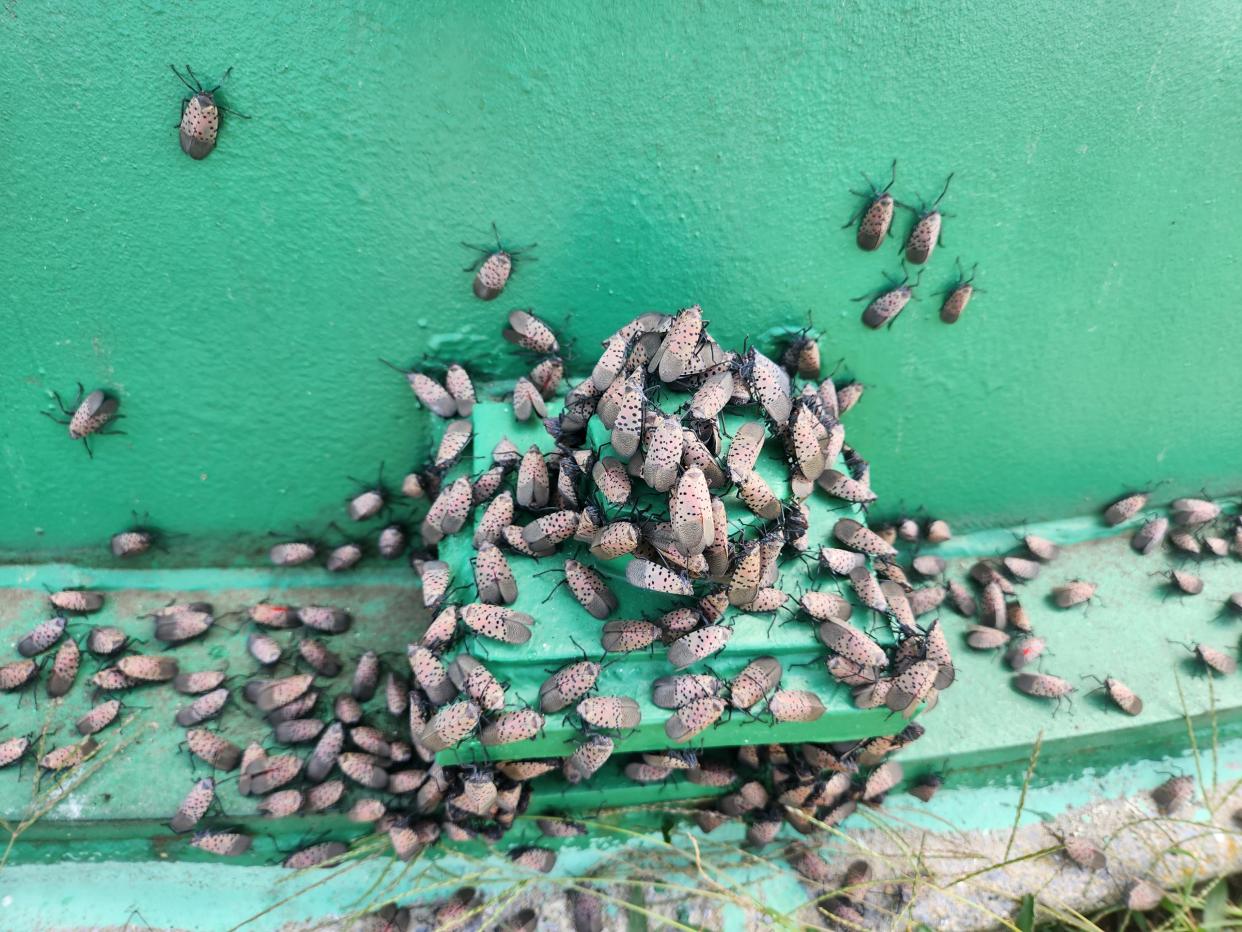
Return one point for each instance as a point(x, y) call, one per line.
point(1173, 793)
point(1043, 686)
point(510, 727)
point(183, 626)
point(131, 543)
point(430, 673)
point(615, 540)
point(768, 384)
point(876, 214)
point(69, 756)
point(1024, 652)
point(698, 645)
point(271, 694)
point(527, 400)
point(589, 589)
point(89, 415)
point(1022, 569)
point(1192, 512)
point(567, 685)
point(214, 750)
point(315, 855)
point(663, 455)
point(99, 717)
point(673, 692)
point(958, 295)
point(628, 423)
point(109, 679)
point(298, 730)
point(840, 562)
point(911, 687)
point(868, 590)
point(497, 516)
point(881, 780)
point(980, 637)
point(498, 623)
point(587, 758)
point(530, 333)
point(265, 649)
point(324, 618)
point(925, 233)
point(477, 682)
point(327, 749)
point(449, 727)
point(862, 539)
point(533, 858)
point(616, 713)
point(744, 450)
point(693, 717)
point(283, 804)
point(533, 481)
point(145, 668)
point(1186, 543)
point(200, 115)
point(366, 676)
point(795, 705)
point(652, 576)
point(105, 641)
point(493, 577)
point(544, 534)
point(441, 631)
point(292, 553)
point(675, 357)
point(1125, 508)
point(854, 645)
point(1073, 593)
point(343, 558)
point(13, 750)
point(363, 769)
point(1122, 695)
point(223, 844)
point(273, 616)
point(449, 511)
point(194, 806)
point(42, 636)
point(1216, 660)
point(77, 601)
point(884, 307)
point(206, 706)
point(1186, 582)
point(620, 636)
point(610, 478)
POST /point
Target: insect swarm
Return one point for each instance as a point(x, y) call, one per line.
point(200, 115)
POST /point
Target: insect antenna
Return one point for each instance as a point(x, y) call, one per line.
point(192, 87)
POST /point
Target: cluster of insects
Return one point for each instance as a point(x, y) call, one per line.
point(875, 225)
point(641, 489)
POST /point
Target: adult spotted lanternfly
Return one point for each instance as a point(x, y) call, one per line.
point(925, 234)
point(884, 306)
point(200, 115)
point(493, 267)
point(89, 415)
point(876, 214)
point(958, 295)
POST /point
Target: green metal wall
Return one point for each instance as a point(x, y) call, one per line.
point(661, 154)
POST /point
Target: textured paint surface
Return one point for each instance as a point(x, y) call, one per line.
point(660, 154)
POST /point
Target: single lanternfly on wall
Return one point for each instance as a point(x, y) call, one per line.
point(493, 269)
point(200, 115)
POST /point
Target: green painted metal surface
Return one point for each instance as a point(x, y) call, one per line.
point(659, 154)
